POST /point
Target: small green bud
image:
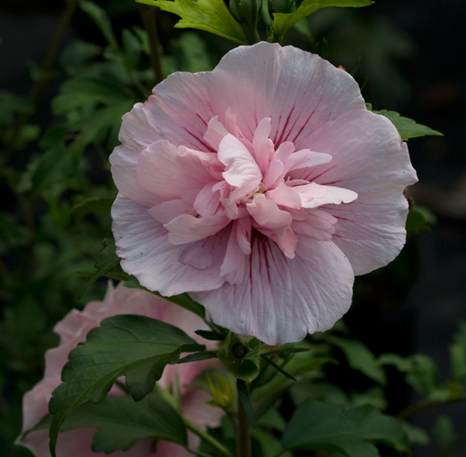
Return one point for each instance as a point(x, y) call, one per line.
point(246, 12)
point(282, 6)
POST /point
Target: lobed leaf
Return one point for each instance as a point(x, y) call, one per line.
point(136, 347)
point(211, 16)
point(283, 22)
point(317, 426)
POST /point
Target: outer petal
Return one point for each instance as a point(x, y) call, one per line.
point(299, 91)
point(178, 111)
point(369, 158)
point(147, 254)
point(282, 300)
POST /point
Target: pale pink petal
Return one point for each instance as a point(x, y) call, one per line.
point(169, 210)
point(285, 196)
point(208, 200)
point(262, 145)
point(299, 91)
point(178, 111)
point(243, 232)
point(316, 224)
point(167, 174)
point(267, 214)
point(188, 229)
point(285, 150)
point(305, 159)
point(146, 253)
point(369, 158)
point(215, 133)
point(282, 300)
point(234, 264)
point(241, 169)
point(314, 195)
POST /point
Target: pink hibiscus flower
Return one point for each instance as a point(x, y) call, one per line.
point(261, 188)
point(73, 330)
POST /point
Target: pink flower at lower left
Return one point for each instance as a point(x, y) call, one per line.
point(72, 331)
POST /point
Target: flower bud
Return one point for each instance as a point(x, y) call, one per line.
point(246, 11)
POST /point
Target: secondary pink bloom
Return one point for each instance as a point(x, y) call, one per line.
point(261, 188)
point(73, 330)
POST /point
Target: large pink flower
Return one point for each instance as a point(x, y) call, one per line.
point(73, 330)
point(261, 188)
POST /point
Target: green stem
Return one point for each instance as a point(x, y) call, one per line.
point(207, 438)
point(149, 18)
point(243, 432)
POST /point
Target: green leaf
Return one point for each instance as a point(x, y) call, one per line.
point(241, 356)
point(121, 422)
point(197, 356)
point(458, 354)
point(420, 219)
point(211, 16)
point(317, 426)
point(92, 205)
point(106, 261)
point(283, 22)
point(358, 356)
point(211, 336)
point(136, 347)
point(407, 128)
point(186, 302)
point(421, 372)
point(101, 19)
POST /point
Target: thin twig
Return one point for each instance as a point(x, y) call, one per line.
point(243, 432)
point(149, 19)
point(426, 404)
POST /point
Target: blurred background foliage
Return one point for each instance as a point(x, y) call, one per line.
point(57, 191)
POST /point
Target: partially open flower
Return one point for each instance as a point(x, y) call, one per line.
point(73, 330)
point(260, 188)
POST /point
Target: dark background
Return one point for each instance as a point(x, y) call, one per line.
point(411, 56)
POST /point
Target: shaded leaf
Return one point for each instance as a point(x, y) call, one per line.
point(211, 16)
point(121, 422)
point(197, 356)
point(317, 426)
point(358, 356)
point(136, 347)
point(92, 205)
point(101, 19)
point(278, 368)
point(106, 261)
point(283, 22)
point(420, 219)
point(211, 336)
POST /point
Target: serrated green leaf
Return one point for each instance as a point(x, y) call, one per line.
point(358, 356)
point(121, 422)
point(101, 19)
point(317, 426)
point(421, 372)
point(407, 128)
point(282, 22)
point(136, 347)
point(211, 16)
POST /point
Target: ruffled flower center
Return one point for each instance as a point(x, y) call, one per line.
point(250, 186)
